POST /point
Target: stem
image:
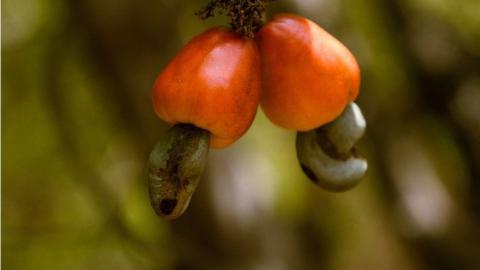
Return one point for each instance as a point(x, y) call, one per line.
point(247, 16)
point(175, 167)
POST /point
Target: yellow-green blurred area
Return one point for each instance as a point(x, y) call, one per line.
point(78, 125)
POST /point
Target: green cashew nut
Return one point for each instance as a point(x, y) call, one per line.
point(175, 167)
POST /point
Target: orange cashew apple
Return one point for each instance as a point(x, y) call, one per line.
point(308, 76)
point(213, 83)
point(309, 80)
point(210, 92)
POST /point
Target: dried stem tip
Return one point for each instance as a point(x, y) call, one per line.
point(246, 15)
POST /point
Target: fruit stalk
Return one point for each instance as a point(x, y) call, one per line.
point(247, 16)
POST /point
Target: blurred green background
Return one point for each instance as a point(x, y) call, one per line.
point(78, 125)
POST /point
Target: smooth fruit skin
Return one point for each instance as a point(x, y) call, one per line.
point(212, 83)
point(308, 76)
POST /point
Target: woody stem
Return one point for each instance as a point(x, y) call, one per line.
point(247, 16)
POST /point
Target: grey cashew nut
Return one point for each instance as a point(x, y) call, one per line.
point(327, 154)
